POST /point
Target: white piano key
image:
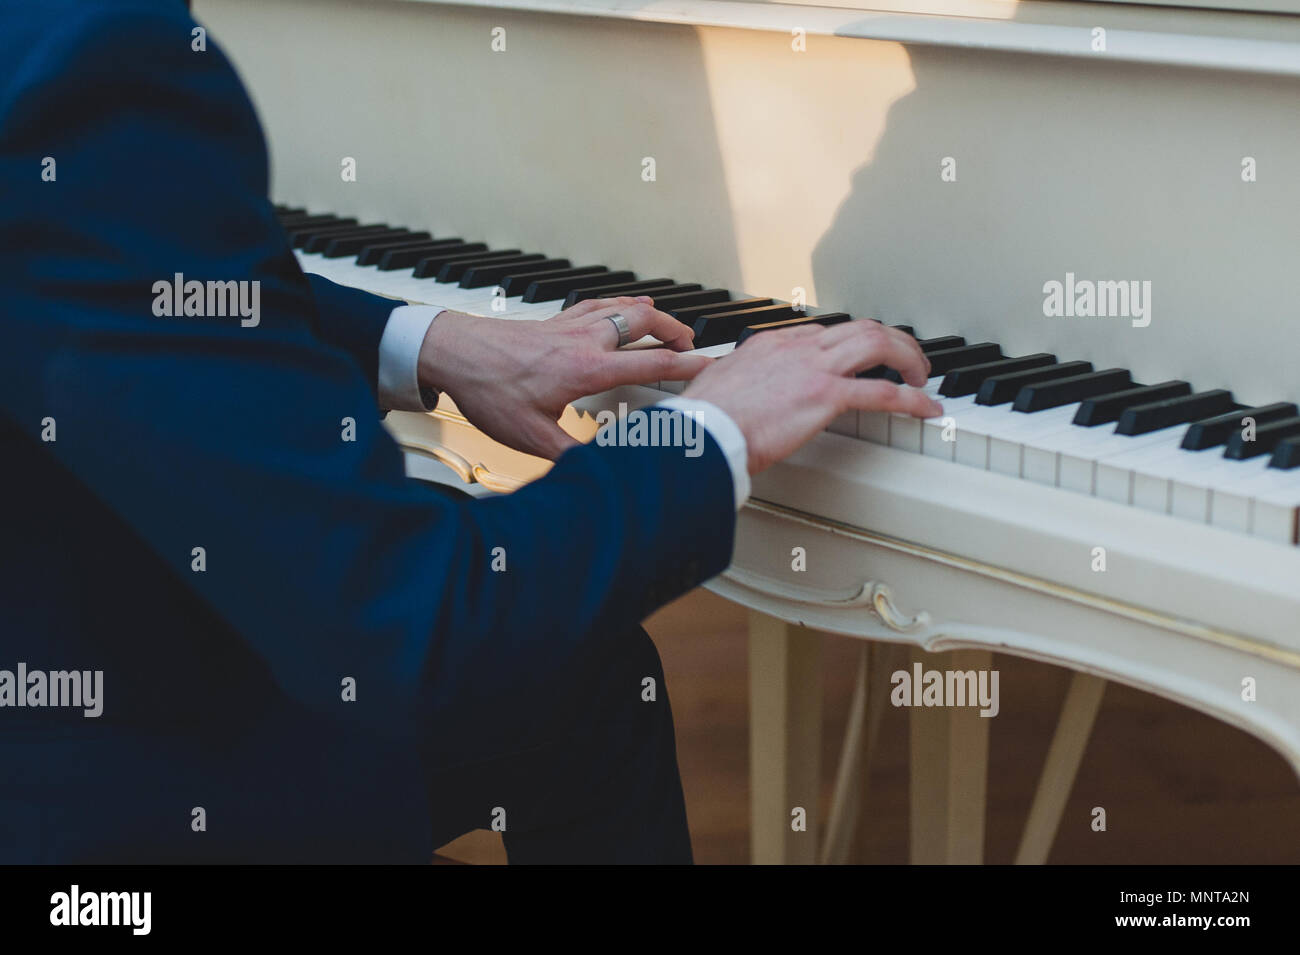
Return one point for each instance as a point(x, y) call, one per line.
point(1230, 497)
point(1008, 437)
point(1163, 473)
point(970, 445)
point(905, 433)
point(846, 423)
point(1145, 470)
point(1260, 482)
point(971, 449)
point(973, 425)
point(1276, 515)
point(1275, 522)
point(962, 414)
point(905, 430)
point(1005, 456)
point(873, 426)
point(1230, 511)
point(1189, 501)
point(1100, 461)
point(1151, 493)
point(1041, 467)
point(716, 351)
point(1109, 484)
point(933, 444)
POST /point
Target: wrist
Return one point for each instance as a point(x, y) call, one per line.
point(436, 364)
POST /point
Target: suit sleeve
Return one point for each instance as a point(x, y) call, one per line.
point(252, 459)
point(351, 319)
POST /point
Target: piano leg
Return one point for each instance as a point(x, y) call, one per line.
point(1078, 713)
point(949, 770)
point(785, 712)
point(876, 662)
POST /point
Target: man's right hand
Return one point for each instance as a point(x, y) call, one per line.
point(783, 387)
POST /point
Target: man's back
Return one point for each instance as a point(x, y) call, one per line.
point(191, 714)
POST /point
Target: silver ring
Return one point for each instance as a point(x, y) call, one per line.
point(624, 329)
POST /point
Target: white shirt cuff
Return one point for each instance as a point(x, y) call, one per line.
point(399, 358)
point(724, 431)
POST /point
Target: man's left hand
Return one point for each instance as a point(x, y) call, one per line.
point(513, 378)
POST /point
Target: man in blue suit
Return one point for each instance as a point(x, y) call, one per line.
point(300, 654)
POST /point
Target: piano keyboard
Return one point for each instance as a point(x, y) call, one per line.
point(1165, 446)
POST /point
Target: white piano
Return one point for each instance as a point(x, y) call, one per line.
point(1097, 197)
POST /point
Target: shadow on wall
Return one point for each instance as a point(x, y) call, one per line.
point(1110, 170)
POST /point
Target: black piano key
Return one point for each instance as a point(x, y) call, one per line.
point(1214, 431)
point(1264, 441)
point(881, 371)
point(1103, 409)
point(319, 241)
point(1000, 389)
point(1066, 391)
point(549, 289)
point(942, 343)
point(407, 256)
point(615, 290)
point(708, 296)
point(438, 250)
point(687, 314)
point(967, 380)
point(450, 268)
point(827, 318)
point(718, 328)
point(350, 245)
point(670, 291)
point(492, 273)
point(294, 223)
point(332, 225)
point(942, 362)
point(372, 252)
point(519, 282)
point(283, 210)
point(905, 329)
point(303, 238)
point(1152, 416)
point(1286, 455)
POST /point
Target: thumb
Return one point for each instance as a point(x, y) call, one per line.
point(544, 437)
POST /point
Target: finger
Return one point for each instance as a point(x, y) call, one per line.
point(845, 331)
point(589, 305)
point(872, 394)
point(646, 366)
point(867, 347)
point(643, 319)
point(543, 437)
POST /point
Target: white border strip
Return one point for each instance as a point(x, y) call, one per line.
point(1174, 49)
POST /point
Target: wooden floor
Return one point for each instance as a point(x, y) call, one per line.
point(1177, 787)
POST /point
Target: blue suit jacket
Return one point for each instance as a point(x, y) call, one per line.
point(223, 687)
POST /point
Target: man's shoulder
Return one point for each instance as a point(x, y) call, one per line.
point(70, 13)
point(58, 34)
